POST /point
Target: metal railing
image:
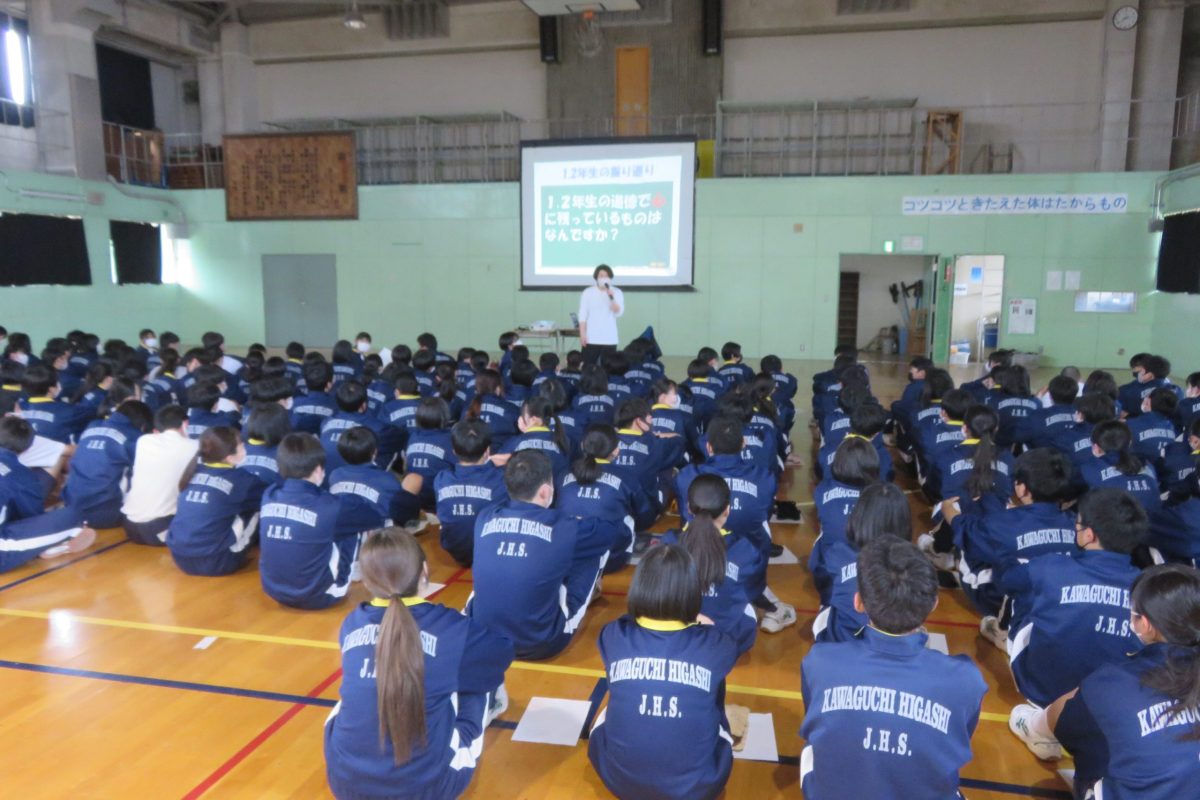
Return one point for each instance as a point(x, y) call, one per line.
point(892, 137)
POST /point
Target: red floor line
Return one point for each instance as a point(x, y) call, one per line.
point(257, 742)
point(452, 579)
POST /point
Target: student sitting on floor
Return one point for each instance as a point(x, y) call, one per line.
point(159, 461)
point(1175, 528)
point(1154, 430)
point(882, 510)
point(1149, 373)
point(1014, 403)
point(887, 718)
point(936, 435)
point(377, 497)
point(700, 392)
point(727, 565)
point(866, 422)
point(262, 433)
point(317, 405)
point(351, 397)
point(470, 486)
point(992, 539)
point(420, 683)
point(593, 404)
point(1071, 610)
point(202, 400)
point(664, 733)
point(309, 537)
point(732, 370)
point(855, 466)
point(983, 387)
point(1189, 404)
point(488, 404)
point(1041, 425)
point(430, 450)
point(49, 416)
point(1132, 725)
point(217, 516)
point(647, 458)
point(1180, 460)
point(534, 574)
point(1075, 440)
point(599, 495)
point(669, 414)
point(1113, 465)
point(102, 464)
point(905, 409)
point(542, 430)
point(26, 531)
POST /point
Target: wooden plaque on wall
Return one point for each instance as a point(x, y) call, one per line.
point(280, 176)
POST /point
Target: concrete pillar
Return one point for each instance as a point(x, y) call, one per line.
point(1156, 77)
point(239, 86)
point(70, 129)
point(1117, 65)
point(212, 100)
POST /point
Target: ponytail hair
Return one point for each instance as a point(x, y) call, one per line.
point(983, 423)
point(707, 499)
point(598, 443)
point(487, 382)
point(1168, 596)
point(543, 408)
point(392, 564)
point(1114, 436)
point(97, 373)
point(216, 444)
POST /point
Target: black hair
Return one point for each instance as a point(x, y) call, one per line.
point(351, 395)
point(16, 434)
point(17, 342)
point(731, 351)
point(1193, 380)
point(209, 373)
point(593, 380)
point(216, 444)
point(271, 390)
point(602, 268)
point(882, 510)
point(317, 376)
point(480, 361)
point(725, 435)
point(983, 423)
point(771, 363)
point(432, 414)
point(1114, 436)
point(211, 339)
point(523, 373)
point(122, 389)
point(423, 360)
point(616, 364)
point(937, 383)
point(1063, 390)
point(665, 586)
point(922, 363)
point(526, 472)
point(543, 408)
point(1157, 366)
point(868, 419)
point(553, 390)
point(897, 584)
point(372, 366)
point(1096, 407)
point(39, 379)
point(170, 418)
point(1116, 517)
point(167, 338)
point(203, 395)
point(706, 354)
point(357, 445)
point(402, 355)
point(470, 439)
point(631, 410)
point(487, 383)
point(294, 350)
point(299, 455)
point(343, 352)
point(548, 362)
point(707, 499)
point(599, 443)
point(405, 382)
point(1001, 358)
point(574, 360)
point(697, 368)
point(507, 339)
point(1046, 473)
point(268, 423)
point(1168, 596)
point(427, 341)
point(855, 462)
point(1164, 401)
point(138, 414)
point(1100, 381)
point(464, 354)
point(852, 395)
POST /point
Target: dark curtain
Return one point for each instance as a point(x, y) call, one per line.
point(125, 95)
point(1179, 254)
point(137, 249)
point(35, 249)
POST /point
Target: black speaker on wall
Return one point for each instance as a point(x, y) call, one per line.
point(711, 11)
point(1179, 254)
point(548, 35)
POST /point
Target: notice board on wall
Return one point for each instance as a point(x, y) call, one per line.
point(280, 176)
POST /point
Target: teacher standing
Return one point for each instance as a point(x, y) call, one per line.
point(599, 306)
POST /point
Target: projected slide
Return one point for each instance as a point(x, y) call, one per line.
point(627, 203)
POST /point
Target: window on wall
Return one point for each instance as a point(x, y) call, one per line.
point(36, 249)
point(136, 253)
point(16, 73)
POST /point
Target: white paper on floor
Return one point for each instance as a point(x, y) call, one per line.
point(551, 720)
point(937, 641)
point(1068, 776)
point(786, 557)
point(431, 588)
point(760, 740)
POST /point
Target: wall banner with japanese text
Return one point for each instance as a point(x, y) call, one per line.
point(953, 205)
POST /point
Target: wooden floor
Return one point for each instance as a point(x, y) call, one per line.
point(120, 677)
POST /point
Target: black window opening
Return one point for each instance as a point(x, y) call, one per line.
point(1179, 254)
point(36, 249)
point(16, 73)
point(125, 94)
point(136, 252)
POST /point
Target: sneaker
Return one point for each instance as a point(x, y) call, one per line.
point(776, 550)
point(80, 541)
point(431, 519)
point(775, 621)
point(499, 705)
point(989, 628)
point(943, 561)
point(1018, 723)
point(415, 526)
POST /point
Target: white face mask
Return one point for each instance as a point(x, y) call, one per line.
point(150, 343)
point(674, 403)
point(21, 358)
point(363, 347)
point(517, 342)
point(287, 403)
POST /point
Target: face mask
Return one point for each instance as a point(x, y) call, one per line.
point(21, 358)
point(150, 343)
point(363, 347)
point(517, 342)
point(674, 402)
point(287, 403)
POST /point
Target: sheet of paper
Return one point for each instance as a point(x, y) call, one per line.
point(1068, 776)
point(937, 641)
point(1071, 280)
point(786, 557)
point(552, 720)
point(433, 588)
point(1054, 280)
point(760, 740)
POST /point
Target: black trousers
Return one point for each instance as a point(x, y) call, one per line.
point(153, 533)
point(595, 353)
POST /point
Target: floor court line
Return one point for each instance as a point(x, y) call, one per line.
point(320, 644)
point(57, 567)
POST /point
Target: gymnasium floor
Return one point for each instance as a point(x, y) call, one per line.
point(121, 677)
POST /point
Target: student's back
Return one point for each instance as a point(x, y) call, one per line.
point(101, 465)
point(470, 486)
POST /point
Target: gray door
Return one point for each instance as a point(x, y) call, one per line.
point(300, 299)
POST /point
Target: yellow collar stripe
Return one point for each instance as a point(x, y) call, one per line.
point(383, 602)
point(662, 624)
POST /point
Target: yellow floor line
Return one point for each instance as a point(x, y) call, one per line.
point(320, 644)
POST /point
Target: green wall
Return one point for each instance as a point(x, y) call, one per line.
point(446, 258)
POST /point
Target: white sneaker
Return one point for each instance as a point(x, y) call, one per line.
point(775, 621)
point(1018, 723)
point(499, 705)
point(989, 628)
point(943, 561)
point(415, 526)
point(431, 519)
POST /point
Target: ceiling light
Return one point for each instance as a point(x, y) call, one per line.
point(354, 19)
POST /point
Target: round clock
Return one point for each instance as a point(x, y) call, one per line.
point(1125, 18)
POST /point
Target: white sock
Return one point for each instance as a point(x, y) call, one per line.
point(767, 593)
point(1039, 726)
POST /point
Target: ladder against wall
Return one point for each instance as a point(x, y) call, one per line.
point(847, 318)
point(943, 143)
